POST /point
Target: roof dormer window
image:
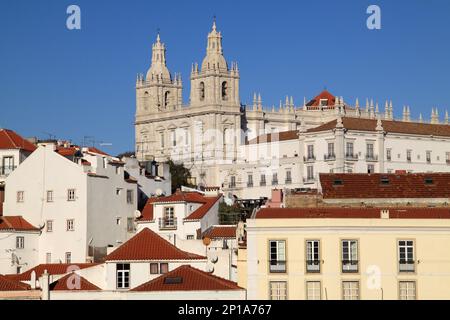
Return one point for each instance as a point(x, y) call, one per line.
point(323, 102)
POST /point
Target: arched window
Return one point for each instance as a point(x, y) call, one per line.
point(166, 98)
point(202, 91)
point(224, 90)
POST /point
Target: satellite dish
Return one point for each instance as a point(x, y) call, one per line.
point(137, 214)
point(206, 241)
point(210, 269)
point(214, 259)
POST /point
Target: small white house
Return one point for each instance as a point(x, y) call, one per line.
point(80, 199)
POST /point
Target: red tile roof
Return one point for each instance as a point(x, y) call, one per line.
point(98, 151)
point(68, 282)
point(218, 232)
point(67, 151)
point(187, 278)
point(315, 102)
point(380, 185)
point(16, 223)
point(190, 197)
point(355, 213)
point(52, 269)
point(273, 137)
point(361, 124)
point(147, 245)
point(7, 284)
point(11, 140)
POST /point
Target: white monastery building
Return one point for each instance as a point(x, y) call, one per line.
point(248, 150)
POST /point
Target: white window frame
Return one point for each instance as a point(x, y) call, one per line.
point(20, 196)
point(49, 195)
point(407, 290)
point(277, 256)
point(71, 194)
point(70, 225)
point(349, 251)
point(20, 242)
point(350, 290)
point(312, 247)
point(68, 256)
point(278, 290)
point(123, 276)
point(313, 290)
point(49, 226)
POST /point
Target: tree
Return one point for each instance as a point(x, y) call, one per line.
point(180, 175)
point(126, 154)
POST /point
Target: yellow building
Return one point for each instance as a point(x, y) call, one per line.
point(346, 253)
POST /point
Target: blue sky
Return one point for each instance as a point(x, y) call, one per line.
point(81, 83)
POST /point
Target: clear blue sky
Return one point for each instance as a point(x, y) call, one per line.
point(81, 83)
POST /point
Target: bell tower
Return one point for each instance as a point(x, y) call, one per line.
point(158, 91)
point(215, 83)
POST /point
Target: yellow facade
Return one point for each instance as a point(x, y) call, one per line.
point(378, 260)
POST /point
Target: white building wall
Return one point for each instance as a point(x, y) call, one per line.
point(27, 257)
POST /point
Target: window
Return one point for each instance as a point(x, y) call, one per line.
point(369, 150)
point(71, 195)
point(166, 98)
point(48, 257)
point(70, 225)
point(349, 255)
point(49, 225)
point(117, 170)
point(154, 268)
point(105, 161)
point(250, 180)
point(49, 196)
point(274, 178)
point(20, 242)
point(408, 155)
point(224, 90)
point(263, 180)
point(312, 256)
point(370, 168)
point(232, 182)
point(190, 237)
point(388, 154)
point(313, 290)
point(330, 150)
point(123, 275)
point(406, 255)
point(349, 150)
point(277, 255)
point(407, 290)
point(161, 139)
point(174, 138)
point(163, 268)
point(130, 225)
point(7, 165)
point(323, 102)
point(68, 257)
point(350, 290)
point(310, 152)
point(118, 221)
point(310, 173)
point(169, 216)
point(118, 191)
point(20, 196)
point(428, 156)
point(278, 290)
point(130, 197)
point(447, 157)
point(202, 91)
point(288, 176)
point(186, 137)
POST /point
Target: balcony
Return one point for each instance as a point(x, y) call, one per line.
point(349, 266)
point(309, 180)
point(5, 171)
point(406, 266)
point(329, 157)
point(313, 266)
point(288, 181)
point(167, 224)
point(249, 184)
point(232, 186)
point(371, 157)
point(309, 158)
point(274, 182)
point(351, 156)
point(277, 266)
point(447, 161)
point(262, 183)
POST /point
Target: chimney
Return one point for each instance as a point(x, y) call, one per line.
point(45, 285)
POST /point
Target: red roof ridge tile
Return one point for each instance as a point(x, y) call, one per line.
point(62, 284)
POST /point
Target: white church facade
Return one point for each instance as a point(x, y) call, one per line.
point(249, 150)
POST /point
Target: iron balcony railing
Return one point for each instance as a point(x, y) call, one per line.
point(6, 170)
point(167, 224)
point(349, 265)
point(312, 265)
point(309, 180)
point(288, 181)
point(406, 265)
point(371, 157)
point(329, 157)
point(309, 158)
point(351, 156)
point(277, 266)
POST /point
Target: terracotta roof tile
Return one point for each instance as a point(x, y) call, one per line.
point(362, 124)
point(7, 284)
point(11, 140)
point(98, 151)
point(354, 213)
point(218, 232)
point(62, 284)
point(16, 223)
point(187, 278)
point(147, 245)
point(52, 269)
point(315, 102)
point(380, 185)
point(276, 136)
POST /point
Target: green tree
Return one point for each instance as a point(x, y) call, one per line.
point(180, 175)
